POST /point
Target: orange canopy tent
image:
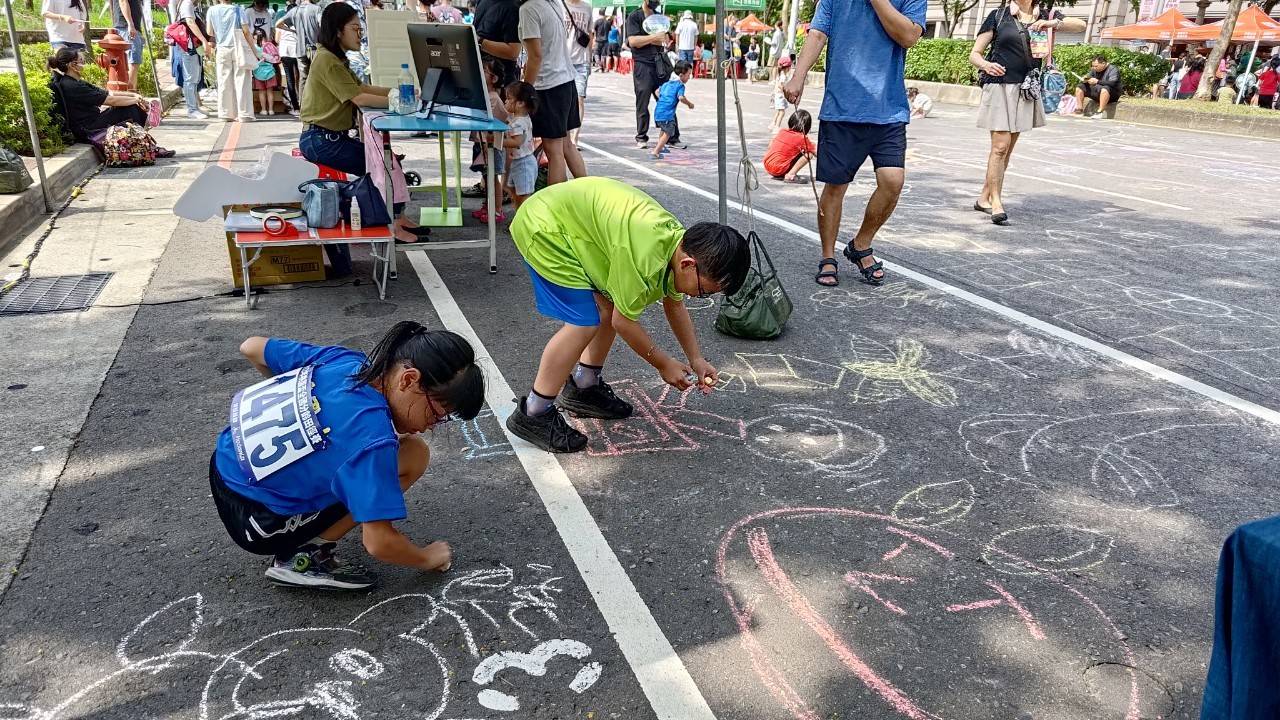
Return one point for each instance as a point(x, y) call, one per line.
point(1253, 25)
point(1171, 25)
point(750, 25)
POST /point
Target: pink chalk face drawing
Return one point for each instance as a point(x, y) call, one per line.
point(404, 652)
point(841, 609)
point(1109, 460)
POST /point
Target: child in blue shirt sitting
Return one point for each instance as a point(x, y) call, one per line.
point(664, 113)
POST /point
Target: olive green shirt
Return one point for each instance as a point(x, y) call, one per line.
point(326, 100)
point(601, 234)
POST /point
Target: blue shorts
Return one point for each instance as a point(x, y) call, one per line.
point(135, 52)
point(844, 146)
point(522, 176)
point(575, 306)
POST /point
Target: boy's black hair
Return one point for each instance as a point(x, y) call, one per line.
point(523, 92)
point(1100, 58)
point(446, 360)
point(682, 67)
point(723, 255)
point(800, 121)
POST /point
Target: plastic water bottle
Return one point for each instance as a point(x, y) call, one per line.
point(408, 96)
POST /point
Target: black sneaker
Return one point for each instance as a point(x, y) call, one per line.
point(315, 566)
point(548, 431)
point(597, 401)
point(678, 145)
point(475, 191)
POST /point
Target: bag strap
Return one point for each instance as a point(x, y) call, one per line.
point(569, 14)
point(336, 184)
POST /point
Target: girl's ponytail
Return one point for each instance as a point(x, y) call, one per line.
point(446, 361)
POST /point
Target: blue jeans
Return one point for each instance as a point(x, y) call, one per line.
point(191, 73)
point(339, 151)
point(687, 56)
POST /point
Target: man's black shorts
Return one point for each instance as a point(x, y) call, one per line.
point(256, 528)
point(844, 146)
point(557, 112)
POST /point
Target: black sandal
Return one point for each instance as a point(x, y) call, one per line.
point(1000, 218)
point(868, 273)
point(981, 209)
point(834, 274)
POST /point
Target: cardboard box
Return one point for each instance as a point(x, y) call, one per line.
point(276, 266)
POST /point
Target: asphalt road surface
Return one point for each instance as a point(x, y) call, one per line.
point(995, 487)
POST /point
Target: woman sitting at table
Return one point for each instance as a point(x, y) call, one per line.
point(329, 102)
point(88, 108)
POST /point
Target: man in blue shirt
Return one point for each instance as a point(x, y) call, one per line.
point(864, 114)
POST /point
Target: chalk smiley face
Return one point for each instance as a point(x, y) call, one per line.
point(819, 593)
point(800, 435)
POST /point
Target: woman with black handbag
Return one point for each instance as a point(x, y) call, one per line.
point(329, 102)
point(1011, 88)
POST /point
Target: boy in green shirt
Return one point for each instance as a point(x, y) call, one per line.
point(599, 252)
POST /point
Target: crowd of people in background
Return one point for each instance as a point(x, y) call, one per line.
point(1235, 79)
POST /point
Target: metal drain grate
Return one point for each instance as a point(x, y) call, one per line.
point(53, 294)
point(155, 172)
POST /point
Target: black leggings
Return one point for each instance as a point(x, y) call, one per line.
point(291, 82)
point(117, 116)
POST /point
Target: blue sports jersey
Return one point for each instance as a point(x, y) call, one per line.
point(668, 97)
point(358, 466)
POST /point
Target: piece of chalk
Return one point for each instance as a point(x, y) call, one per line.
point(708, 381)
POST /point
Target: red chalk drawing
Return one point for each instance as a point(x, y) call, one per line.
point(660, 424)
point(932, 601)
point(1005, 599)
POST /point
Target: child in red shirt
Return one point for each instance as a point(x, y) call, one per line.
point(790, 150)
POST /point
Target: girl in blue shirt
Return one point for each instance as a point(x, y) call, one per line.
point(330, 441)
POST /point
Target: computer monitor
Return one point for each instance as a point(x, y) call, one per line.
point(447, 61)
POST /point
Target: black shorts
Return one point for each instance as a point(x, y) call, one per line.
point(669, 127)
point(256, 528)
point(844, 146)
point(615, 49)
point(1094, 92)
point(557, 112)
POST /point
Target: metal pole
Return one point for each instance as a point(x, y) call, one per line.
point(722, 142)
point(26, 105)
point(1248, 68)
point(1093, 17)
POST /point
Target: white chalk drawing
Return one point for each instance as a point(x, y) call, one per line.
point(1047, 548)
point(811, 437)
point(896, 295)
point(1029, 353)
point(874, 372)
point(483, 437)
point(935, 504)
point(1096, 460)
point(405, 649)
point(533, 663)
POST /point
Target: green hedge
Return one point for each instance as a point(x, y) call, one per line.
point(947, 61)
point(13, 121)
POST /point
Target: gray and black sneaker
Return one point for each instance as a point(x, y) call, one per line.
point(597, 401)
point(315, 566)
point(548, 431)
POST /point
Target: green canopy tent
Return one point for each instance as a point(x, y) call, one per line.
point(719, 7)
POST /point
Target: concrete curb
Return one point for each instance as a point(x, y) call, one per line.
point(64, 171)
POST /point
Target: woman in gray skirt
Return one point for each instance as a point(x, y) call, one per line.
point(1010, 80)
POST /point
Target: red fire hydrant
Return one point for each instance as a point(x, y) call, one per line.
point(113, 60)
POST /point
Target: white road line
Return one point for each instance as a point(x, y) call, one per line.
point(1041, 179)
point(1259, 411)
point(662, 675)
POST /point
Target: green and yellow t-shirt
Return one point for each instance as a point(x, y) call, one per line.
point(326, 100)
point(600, 234)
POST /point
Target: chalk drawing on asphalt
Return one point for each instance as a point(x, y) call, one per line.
point(662, 423)
point(1094, 460)
point(897, 295)
point(1047, 548)
point(935, 503)
point(404, 650)
point(856, 592)
point(483, 437)
point(814, 439)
